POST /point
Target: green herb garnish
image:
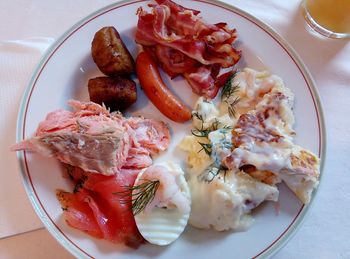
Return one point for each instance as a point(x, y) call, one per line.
point(211, 172)
point(201, 133)
point(143, 195)
point(206, 147)
point(227, 93)
point(198, 116)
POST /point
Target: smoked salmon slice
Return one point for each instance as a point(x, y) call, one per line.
point(103, 152)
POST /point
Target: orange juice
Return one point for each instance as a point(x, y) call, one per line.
point(333, 15)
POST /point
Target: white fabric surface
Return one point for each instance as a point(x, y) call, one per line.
point(37, 244)
point(17, 60)
point(326, 230)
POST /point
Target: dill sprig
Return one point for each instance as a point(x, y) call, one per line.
point(205, 132)
point(231, 107)
point(143, 195)
point(198, 116)
point(202, 133)
point(211, 172)
point(206, 147)
point(227, 93)
point(228, 90)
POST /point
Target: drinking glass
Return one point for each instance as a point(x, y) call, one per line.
point(330, 18)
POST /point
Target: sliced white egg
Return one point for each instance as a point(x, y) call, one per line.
point(163, 225)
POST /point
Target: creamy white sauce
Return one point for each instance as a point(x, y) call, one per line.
point(225, 203)
point(221, 201)
point(222, 198)
point(221, 144)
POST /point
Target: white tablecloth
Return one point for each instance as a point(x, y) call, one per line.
point(326, 230)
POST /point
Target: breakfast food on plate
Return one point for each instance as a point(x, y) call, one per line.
point(161, 202)
point(239, 151)
point(221, 198)
point(103, 153)
point(181, 43)
point(97, 141)
point(184, 44)
point(133, 206)
point(225, 202)
point(266, 132)
point(93, 207)
point(157, 92)
point(110, 53)
point(116, 93)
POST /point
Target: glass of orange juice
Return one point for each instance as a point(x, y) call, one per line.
point(331, 18)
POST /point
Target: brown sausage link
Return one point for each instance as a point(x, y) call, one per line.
point(117, 93)
point(110, 54)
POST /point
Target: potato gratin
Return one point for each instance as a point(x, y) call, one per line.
point(240, 149)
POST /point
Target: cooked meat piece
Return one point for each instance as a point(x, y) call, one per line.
point(110, 54)
point(116, 93)
point(96, 209)
point(88, 138)
point(97, 141)
point(151, 134)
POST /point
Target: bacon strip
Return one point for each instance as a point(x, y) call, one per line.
point(183, 43)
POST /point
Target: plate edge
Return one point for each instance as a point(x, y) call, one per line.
point(270, 251)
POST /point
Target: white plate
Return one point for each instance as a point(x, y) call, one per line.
point(63, 74)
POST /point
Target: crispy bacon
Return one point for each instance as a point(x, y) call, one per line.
point(174, 62)
point(176, 7)
point(183, 43)
point(202, 81)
